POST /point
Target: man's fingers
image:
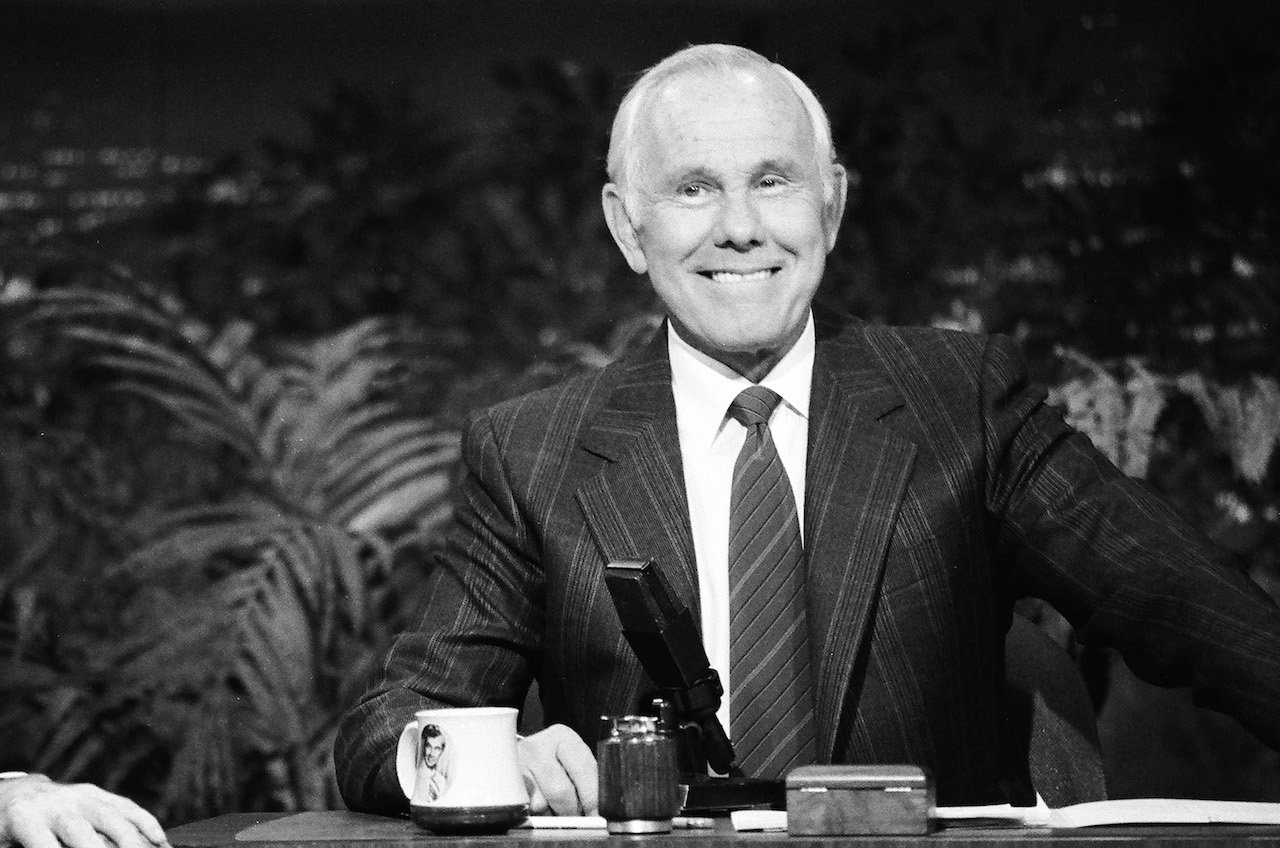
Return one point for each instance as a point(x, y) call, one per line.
point(150, 828)
point(114, 816)
point(76, 832)
point(580, 765)
point(120, 830)
point(28, 831)
point(144, 822)
point(538, 805)
point(559, 768)
point(531, 768)
point(557, 788)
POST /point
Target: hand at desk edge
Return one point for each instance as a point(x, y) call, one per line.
point(36, 812)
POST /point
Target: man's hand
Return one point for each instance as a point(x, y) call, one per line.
point(35, 812)
point(559, 772)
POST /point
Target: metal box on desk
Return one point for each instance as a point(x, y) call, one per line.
point(856, 800)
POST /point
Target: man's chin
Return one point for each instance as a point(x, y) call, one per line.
point(738, 338)
point(733, 347)
point(747, 344)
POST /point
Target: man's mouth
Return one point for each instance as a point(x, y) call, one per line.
point(735, 277)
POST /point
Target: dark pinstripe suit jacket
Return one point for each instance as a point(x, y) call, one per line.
point(940, 488)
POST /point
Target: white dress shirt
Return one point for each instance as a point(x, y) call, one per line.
point(709, 444)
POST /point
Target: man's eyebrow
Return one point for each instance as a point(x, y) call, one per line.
point(779, 166)
point(690, 174)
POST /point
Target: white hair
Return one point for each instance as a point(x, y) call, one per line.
point(622, 166)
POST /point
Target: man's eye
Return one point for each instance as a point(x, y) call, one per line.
point(692, 190)
point(772, 181)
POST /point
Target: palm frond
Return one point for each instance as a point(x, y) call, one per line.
point(398, 495)
point(136, 356)
point(201, 421)
point(381, 464)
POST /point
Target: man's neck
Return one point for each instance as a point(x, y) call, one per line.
point(752, 364)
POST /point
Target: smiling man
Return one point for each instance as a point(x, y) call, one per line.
point(851, 510)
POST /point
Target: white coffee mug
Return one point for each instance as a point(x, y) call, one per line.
point(458, 768)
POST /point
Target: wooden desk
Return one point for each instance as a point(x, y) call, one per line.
point(354, 830)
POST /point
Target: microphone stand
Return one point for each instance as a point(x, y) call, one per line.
point(662, 632)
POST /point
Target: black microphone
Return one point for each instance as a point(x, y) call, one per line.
point(662, 632)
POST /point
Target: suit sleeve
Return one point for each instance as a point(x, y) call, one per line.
point(1118, 562)
point(478, 639)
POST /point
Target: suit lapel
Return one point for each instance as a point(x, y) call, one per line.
point(857, 475)
point(636, 507)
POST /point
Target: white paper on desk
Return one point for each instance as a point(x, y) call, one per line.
point(1089, 814)
point(1164, 811)
point(744, 820)
point(1117, 811)
point(1004, 814)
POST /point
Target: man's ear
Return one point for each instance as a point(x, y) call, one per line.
point(833, 210)
point(621, 227)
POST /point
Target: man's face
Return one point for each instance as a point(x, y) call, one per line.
point(732, 225)
point(432, 748)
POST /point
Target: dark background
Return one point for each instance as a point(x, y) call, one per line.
point(207, 76)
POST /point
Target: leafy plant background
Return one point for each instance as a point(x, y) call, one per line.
point(229, 428)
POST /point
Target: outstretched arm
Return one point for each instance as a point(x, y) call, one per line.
point(1115, 558)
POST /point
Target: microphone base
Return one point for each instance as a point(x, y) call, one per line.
point(710, 795)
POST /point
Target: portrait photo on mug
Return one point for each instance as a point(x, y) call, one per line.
point(434, 759)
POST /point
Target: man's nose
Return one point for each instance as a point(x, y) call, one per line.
point(738, 225)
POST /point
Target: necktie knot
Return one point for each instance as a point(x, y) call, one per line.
point(754, 406)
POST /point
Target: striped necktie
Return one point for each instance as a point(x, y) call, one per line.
point(771, 695)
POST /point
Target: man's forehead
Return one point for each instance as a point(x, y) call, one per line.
point(747, 103)
point(687, 95)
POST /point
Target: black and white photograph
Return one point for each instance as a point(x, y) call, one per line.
point(914, 364)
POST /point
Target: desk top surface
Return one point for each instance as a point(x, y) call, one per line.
point(355, 830)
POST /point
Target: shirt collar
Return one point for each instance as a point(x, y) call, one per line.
point(704, 387)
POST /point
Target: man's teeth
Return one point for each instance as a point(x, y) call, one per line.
point(740, 276)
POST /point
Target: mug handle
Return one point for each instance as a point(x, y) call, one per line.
point(407, 759)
